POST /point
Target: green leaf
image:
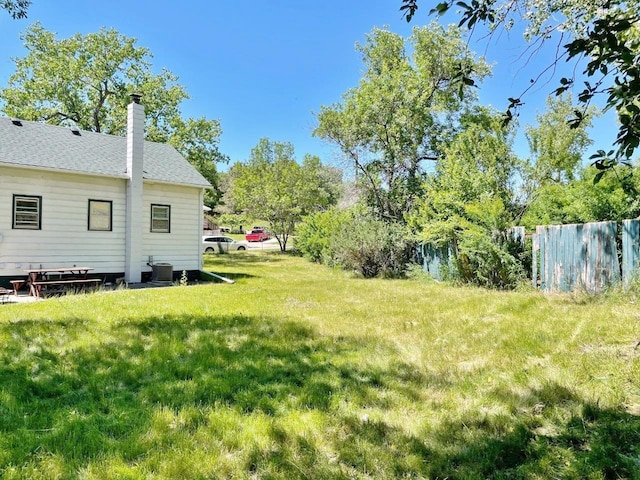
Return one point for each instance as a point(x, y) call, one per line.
point(598, 177)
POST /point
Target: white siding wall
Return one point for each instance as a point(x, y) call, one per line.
point(64, 239)
point(181, 247)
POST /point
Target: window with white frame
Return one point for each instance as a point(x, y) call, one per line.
point(27, 212)
point(100, 215)
point(160, 218)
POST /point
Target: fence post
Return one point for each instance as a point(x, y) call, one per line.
point(543, 241)
point(630, 250)
point(535, 259)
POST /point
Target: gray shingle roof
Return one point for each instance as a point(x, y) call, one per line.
point(52, 147)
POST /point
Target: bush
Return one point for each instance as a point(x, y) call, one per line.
point(481, 249)
point(372, 248)
point(356, 241)
point(489, 260)
point(314, 235)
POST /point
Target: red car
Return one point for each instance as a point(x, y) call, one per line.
point(257, 235)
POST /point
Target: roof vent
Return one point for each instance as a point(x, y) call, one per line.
point(75, 131)
point(16, 122)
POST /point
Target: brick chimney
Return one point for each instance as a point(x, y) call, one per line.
point(135, 157)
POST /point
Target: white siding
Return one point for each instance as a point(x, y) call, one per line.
point(64, 238)
point(180, 247)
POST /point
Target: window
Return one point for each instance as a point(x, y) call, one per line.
point(100, 215)
point(218, 239)
point(160, 218)
point(27, 213)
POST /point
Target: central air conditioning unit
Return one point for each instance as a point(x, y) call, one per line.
point(162, 273)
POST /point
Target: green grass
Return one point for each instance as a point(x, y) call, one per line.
point(235, 236)
point(297, 371)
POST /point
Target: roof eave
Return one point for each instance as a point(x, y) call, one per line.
point(103, 175)
point(62, 170)
point(180, 184)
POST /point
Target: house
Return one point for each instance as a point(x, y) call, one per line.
point(116, 204)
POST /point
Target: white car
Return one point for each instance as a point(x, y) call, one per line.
point(220, 243)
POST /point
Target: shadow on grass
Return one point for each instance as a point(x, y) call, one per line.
point(99, 399)
point(552, 433)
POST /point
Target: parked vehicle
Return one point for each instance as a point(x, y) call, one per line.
point(257, 235)
point(220, 243)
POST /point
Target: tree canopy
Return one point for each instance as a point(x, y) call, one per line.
point(85, 81)
point(272, 186)
point(402, 112)
point(15, 8)
point(477, 169)
point(605, 35)
point(556, 147)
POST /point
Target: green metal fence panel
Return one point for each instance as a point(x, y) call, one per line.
point(630, 251)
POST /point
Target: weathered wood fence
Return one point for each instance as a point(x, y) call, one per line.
point(630, 250)
point(590, 256)
point(436, 260)
point(569, 257)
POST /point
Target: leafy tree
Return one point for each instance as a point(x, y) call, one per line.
point(559, 189)
point(274, 187)
point(605, 35)
point(198, 140)
point(557, 150)
point(469, 202)
point(402, 112)
point(226, 206)
point(556, 147)
point(476, 167)
point(85, 81)
point(615, 197)
point(583, 200)
point(15, 8)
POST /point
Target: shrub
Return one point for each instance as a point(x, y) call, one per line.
point(314, 235)
point(356, 241)
point(482, 252)
point(372, 247)
point(489, 260)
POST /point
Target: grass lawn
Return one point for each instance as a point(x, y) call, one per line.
point(298, 371)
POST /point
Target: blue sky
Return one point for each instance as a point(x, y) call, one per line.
point(262, 68)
